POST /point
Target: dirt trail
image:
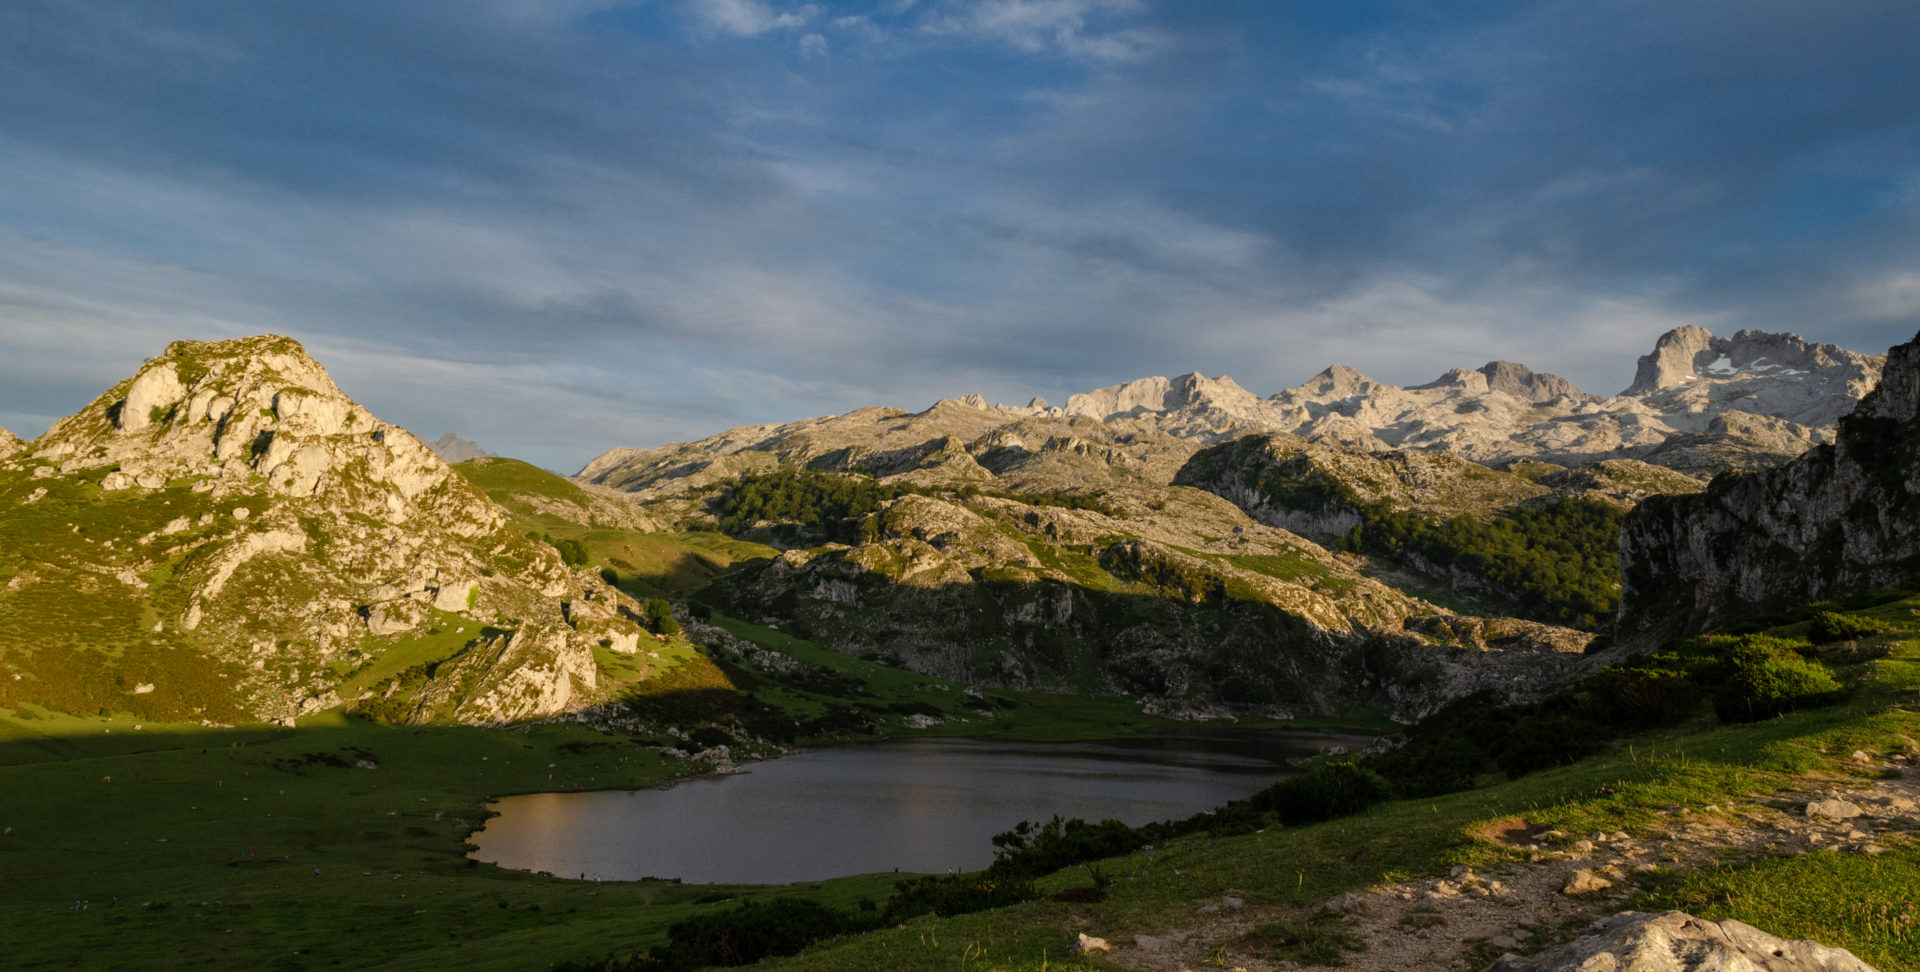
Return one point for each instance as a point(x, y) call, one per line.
point(1466, 920)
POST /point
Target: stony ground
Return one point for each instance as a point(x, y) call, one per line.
point(1556, 884)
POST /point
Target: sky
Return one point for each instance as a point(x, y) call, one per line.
point(560, 226)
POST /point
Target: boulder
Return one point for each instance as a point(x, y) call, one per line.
point(1584, 881)
point(1678, 942)
point(1087, 944)
point(1833, 810)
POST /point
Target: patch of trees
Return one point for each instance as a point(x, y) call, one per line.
point(1559, 562)
point(832, 505)
point(572, 552)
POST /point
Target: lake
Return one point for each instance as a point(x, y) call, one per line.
point(921, 806)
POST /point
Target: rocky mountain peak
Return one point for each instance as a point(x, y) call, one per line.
point(1527, 384)
point(1690, 354)
point(9, 443)
point(452, 448)
point(1337, 381)
point(1146, 396)
point(262, 524)
point(248, 414)
point(1672, 360)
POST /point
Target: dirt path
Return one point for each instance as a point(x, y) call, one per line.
point(1466, 920)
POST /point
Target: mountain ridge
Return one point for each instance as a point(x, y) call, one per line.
point(1775, 397)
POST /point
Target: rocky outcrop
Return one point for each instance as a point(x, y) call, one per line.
point(1622, 482)
point(271, 541)
point(1841, 518)
point(452, 448)
point(1321, 491)
point(9, 443)
point(1678, 942)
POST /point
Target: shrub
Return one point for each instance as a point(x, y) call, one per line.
point(1030, 850)
point(1770, 687)
point(749, 933)
point(660, 619)
point(1542, 740)
point(1831, 626)
point(1327, 791)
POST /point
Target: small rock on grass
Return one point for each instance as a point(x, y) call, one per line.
point(1087, 944)
point(1584, 881)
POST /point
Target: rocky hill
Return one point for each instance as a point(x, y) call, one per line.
point(9, 443)
point(226, 535)
point(1841, 519)
point(1699, 404)
point(1166, 594)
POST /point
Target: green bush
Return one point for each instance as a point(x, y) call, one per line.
point(572, 552)
point(1029, 850)
point(659, 616)
point(1767, 688)
point(1325, 792)
point(1830, 626)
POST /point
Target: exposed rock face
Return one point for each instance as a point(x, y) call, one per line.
point(9, 443)
point(1841, 518)
point(452, 448)
point(1678, 942)
point(270, 539)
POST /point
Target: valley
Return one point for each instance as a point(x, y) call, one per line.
point(267, 660)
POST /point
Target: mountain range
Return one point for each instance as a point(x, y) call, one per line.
point(228, 536)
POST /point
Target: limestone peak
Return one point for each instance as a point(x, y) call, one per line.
point(452, 448)
point(251, 413)
point(1337, 381)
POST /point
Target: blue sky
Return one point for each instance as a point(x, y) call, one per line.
point(557, 226)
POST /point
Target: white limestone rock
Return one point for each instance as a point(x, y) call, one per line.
point(1678, 942)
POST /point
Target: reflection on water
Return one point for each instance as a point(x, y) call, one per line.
point(926, 805)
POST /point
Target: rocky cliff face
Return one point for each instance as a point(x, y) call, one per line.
point(1841, 518)
point(227, 534)
point(9, 443)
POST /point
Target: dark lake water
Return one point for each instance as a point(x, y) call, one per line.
point(924, 805)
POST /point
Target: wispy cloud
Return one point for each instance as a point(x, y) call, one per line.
point(749, 18)
point(1077, 28)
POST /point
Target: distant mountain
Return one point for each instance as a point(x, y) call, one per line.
point(452, 448)
point(227, 536)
